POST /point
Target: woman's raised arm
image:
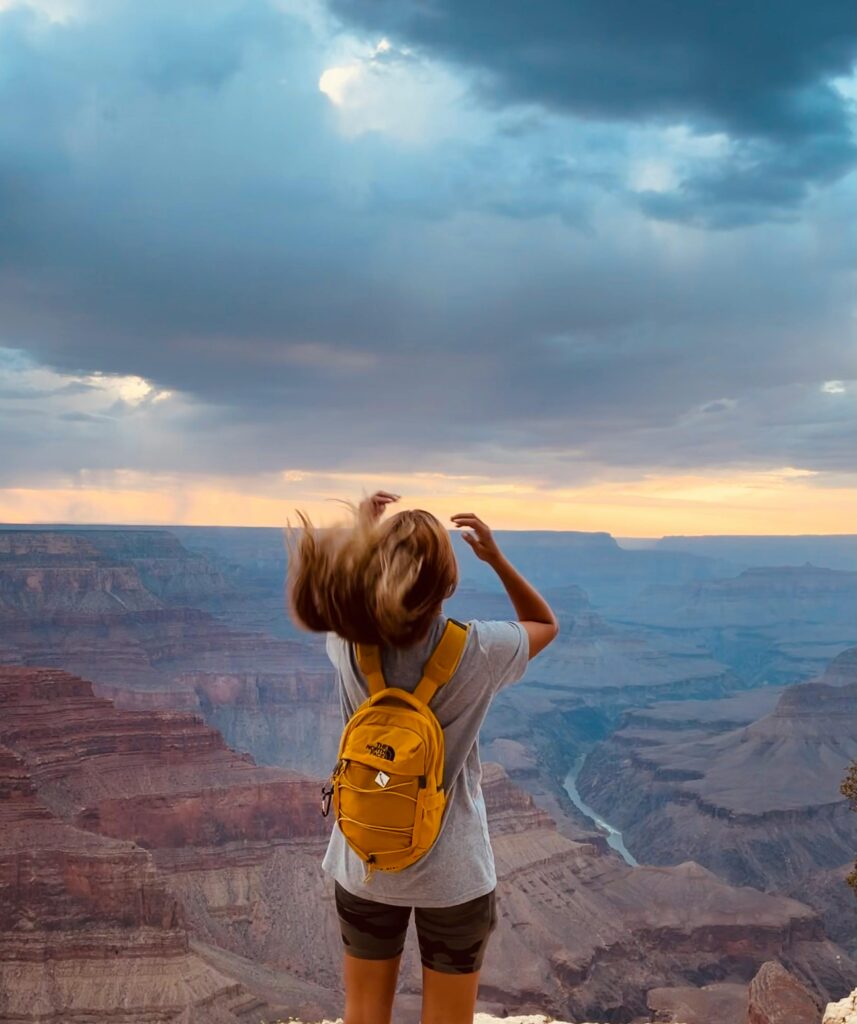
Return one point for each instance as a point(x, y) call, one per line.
point(533, 611)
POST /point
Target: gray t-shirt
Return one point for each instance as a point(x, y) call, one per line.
point(460, 865)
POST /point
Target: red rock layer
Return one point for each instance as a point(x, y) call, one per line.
point(112, 606)
point(119, 772)
point(778, 998)
point(87, 926)
point(234, 851)
point(83, 789)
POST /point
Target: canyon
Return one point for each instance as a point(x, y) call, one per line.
point(772, 624)
point(163, 720)
point(121, 608)
point(136, 844)
point(748, 786)
point(111, 820)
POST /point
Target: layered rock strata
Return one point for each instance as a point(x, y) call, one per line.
point(594, 936)
point(52, 571)
point(95, 583)
point(756, 597)
point(206, 871)
point(778, 998)
point(772, 625)
point(759, 803)
point(102, 606)
point(88, 929)
point(98, 807)
point(111, 606)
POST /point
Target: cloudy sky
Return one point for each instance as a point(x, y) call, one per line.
point(569, 264)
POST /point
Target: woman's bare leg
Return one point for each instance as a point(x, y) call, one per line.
point(448, 998)
point(370, 986)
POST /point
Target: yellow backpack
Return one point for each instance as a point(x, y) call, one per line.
point(387, 785)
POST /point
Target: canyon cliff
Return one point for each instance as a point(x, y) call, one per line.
point(151, 871)
point(772, 625)
point(100, 603)
point(102, 811)
point(118, 607)
point(758, 803)
point(220, 850)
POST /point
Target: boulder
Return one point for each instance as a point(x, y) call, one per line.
point(777, 997)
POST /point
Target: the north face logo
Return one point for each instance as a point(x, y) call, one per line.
point(383, 750)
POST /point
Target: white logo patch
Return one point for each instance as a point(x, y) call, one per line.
point(381, 779)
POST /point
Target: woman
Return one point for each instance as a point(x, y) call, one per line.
point(383, 582)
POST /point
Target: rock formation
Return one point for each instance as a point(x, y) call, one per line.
point(108, 606)
point(91, 570)
point(756, 597)
point(772, 625)
point(140, 854)
point(91, 798)
point(759, 804)
point(706, 1004)
point(842, 1012)
point(88, 930)
point(830, 551)
point(591, 934)
point(111, 606)
point(218, 859)
point(778, 998)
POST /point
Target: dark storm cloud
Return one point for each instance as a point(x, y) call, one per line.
point(757, 71)
point(742, 66)
point(764, 179)
point(181, 205)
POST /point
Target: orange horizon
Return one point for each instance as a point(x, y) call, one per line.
point(776, 502)
point(497, 529)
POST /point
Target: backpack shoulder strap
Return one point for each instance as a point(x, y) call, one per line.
point(369, 660)
point(444, 660)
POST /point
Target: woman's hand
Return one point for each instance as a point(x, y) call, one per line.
point(481, 539)
point(372, 508)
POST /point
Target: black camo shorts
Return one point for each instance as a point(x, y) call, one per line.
point(452, 939)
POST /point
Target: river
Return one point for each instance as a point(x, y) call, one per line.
point(614, 836)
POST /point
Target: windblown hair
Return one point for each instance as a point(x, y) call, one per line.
point(370, 581)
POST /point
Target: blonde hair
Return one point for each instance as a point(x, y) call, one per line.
point(370, 581)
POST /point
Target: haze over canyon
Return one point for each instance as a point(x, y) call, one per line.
point(164, 730)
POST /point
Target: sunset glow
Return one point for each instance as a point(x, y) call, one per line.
point(781, 501)
point(265, 255)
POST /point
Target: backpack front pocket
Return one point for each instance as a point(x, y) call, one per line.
point(375, 807)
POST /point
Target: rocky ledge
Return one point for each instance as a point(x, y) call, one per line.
point(779, 1011)
point(149, 871)
point(843, 1012)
